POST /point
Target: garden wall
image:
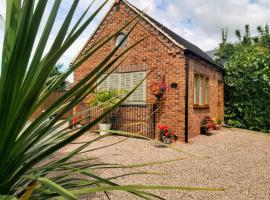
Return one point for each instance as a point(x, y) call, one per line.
point(48, 102)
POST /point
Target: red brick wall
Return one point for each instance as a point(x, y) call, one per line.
point(196, 115)
point(155, 53)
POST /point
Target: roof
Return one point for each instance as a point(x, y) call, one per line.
point(211, 53)
point(183, 43)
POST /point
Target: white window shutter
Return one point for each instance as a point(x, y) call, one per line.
point(126, 82)
point(115, 81)
point(140, 94)
point(105, 84)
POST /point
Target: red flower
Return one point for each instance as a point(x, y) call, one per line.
point(76, 119)
point(158, 87)
point(163, 127)
point(163, 86)
point(209, 126)
point(160, 127)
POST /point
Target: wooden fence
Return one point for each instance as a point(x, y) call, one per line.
point(48, 102)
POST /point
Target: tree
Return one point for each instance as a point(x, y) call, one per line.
point(54, 75)
point(247, 79)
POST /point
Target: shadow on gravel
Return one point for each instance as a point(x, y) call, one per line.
point(160, 146)
point(209, 134)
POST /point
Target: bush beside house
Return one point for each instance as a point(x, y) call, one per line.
point(247, 80)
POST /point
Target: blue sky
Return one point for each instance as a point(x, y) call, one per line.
point(199, 21)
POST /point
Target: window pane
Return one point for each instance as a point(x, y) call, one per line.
point(196, 90)
point(119, 39)
point(206, 91)
point(201, 97)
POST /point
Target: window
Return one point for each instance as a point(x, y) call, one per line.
point(119, 39)
point(201, 91)
point(126, 82)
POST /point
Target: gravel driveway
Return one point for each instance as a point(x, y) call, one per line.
point(234, 159)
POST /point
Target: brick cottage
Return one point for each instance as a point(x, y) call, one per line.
point(194, 80)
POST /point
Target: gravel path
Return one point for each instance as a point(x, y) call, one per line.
point(234, 159)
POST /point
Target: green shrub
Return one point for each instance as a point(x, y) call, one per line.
point(247, 80)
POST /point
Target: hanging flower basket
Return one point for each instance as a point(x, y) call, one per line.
point(159, 94)
point(158, 89)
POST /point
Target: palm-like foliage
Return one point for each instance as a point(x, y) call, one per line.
point(25, 146)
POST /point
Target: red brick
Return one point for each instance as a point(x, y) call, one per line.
point(159, 54)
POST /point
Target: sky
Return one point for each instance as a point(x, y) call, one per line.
point(199, 21)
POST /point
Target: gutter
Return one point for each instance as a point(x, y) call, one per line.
point(186, 96)
point(219, 67)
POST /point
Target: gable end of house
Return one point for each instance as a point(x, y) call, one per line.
point(178, 41)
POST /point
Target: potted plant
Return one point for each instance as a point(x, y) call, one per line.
point(158, 89)
point(105, 100)
point(173, 137)
point(166, 134)
point(206, 125)
point(217, 124)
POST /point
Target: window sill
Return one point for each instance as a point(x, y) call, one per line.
point(201, 107)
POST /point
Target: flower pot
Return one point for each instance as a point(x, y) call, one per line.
point(172, 140)
point(104, 129)
point(204, 131)
point(166, 140)
point(217, 127)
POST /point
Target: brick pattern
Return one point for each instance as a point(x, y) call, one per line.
point(156, 54)
point(196, 115)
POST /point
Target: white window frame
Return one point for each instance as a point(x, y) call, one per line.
point(200, 91)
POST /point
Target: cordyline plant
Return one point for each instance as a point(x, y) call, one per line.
point(26, 146)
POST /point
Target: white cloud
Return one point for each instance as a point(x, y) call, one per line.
point(198, 21)
point(207, 17)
